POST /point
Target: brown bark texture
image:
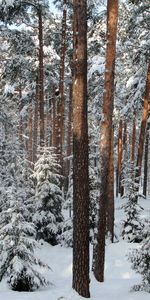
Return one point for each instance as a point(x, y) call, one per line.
point(146, 109)
point(106, 131)
point(41, 77)
point(80, 152)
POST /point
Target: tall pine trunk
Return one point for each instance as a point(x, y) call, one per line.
point(106, 131)
point(80, 152)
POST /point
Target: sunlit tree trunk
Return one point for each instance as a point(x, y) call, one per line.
point(106, 132)
point(80, 152)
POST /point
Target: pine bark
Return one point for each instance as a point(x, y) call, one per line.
point(80, 152)
point(41, 77)
point(146, 110)
point(106, 131)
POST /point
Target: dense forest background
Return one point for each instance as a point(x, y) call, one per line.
point(74, 136)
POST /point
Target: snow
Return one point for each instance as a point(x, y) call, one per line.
point(119, 277)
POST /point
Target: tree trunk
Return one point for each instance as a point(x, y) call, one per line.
point(35, 126)
point(110, 193)
point(54, 121)
point(20, 120)
point(106, 131)
point(124, 149)
point(133, 139)
point(30, 140)
point(80, 151)
point(41, 78)
point(120, 153)
point(69, 141)
point(60, 100)
point(146, 109)
point(146, 162)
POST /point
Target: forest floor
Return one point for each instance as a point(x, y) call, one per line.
point(119, 278)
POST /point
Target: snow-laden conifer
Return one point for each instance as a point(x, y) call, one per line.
point(48, 197)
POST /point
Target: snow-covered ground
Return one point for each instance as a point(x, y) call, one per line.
point(119, 278)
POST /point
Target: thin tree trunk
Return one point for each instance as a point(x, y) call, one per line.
point(146, 162)
point(60, 99)
point(35, 126)
point(80, 151)
point(110, 193)
point(120, 154)
point(146, 109)
point(54, 121)
point(20, 120)
point(124, 149)
point(106, 131)
point(69, 141)
point(41, 77)
point(30, 135)
point(133, 139)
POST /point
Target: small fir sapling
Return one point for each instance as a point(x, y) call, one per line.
point(49, 198)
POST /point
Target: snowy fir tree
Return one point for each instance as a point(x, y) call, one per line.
point(132, 226)
point(18, 263)
point(140, 259)
point(48, 197)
